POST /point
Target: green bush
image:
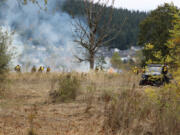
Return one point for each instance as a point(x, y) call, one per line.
point(68, 86)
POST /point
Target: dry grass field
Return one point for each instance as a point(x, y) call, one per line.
point(27, 109)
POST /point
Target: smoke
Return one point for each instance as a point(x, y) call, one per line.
point(41, 37)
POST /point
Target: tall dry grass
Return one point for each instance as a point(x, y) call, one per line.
point(153, 112)
point(103, 104)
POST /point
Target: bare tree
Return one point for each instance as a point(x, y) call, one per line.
point(95, 32)
point(37, 2)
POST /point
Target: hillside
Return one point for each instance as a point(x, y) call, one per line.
point(130, 29)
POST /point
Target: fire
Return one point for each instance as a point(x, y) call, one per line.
point(111, 70)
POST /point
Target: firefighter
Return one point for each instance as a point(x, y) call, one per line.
point(101, 68)
point(165, 72)
point(41, 69)
point(165, 69)
point(143, 70)
point(136, 70)
point(48, 69)
point(33, 70)
point(17, 68)
point(97, 69)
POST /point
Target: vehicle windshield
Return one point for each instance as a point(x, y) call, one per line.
point(153, 69)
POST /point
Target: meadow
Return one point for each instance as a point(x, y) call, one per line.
point(94, 103)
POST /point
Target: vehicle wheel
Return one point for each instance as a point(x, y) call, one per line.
point(142, 82)
point(159, 83)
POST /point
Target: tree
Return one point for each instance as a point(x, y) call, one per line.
point(5, 56)
point(37, 2)
point(116, 61)
point(173, 44)
point(139, 58)
point(101, 62)
point(94, 34)
point(130, 29)
point(155, 32)
point(33, 1)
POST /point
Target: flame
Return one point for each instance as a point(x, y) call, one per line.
point(111, 71)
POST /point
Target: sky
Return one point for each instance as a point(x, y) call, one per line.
point(143, 5)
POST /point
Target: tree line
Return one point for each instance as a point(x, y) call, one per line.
point(126, 20)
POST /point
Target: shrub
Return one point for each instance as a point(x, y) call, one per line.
point(166, 107)
point(122, 111)
point(107, 96)
point(68, 86)
point(89, 96)
point(154, 112)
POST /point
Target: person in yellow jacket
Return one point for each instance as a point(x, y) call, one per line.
point(143, 70)
point(41, 69)
point(164, 69)
point(136, 70)
point(165, 73)
point(17, 68)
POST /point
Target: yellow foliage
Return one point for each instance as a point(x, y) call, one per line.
point(149, 46)
point(168, 59)
point(158, 54)
point(170, 44)
point(152, 94)
point(149, 61)
point(45, 1)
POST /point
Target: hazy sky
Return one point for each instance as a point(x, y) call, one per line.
point(143, 5)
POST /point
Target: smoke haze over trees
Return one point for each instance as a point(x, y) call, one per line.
point(45, 37)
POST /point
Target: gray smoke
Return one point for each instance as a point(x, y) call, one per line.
point(41, 37)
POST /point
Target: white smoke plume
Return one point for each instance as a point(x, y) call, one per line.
point(41, 37)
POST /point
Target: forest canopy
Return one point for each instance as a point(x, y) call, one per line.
point(126, 20)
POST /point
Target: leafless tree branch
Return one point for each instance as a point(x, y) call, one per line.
point(97, 34)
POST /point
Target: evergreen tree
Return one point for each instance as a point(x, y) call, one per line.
point(116, 61)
